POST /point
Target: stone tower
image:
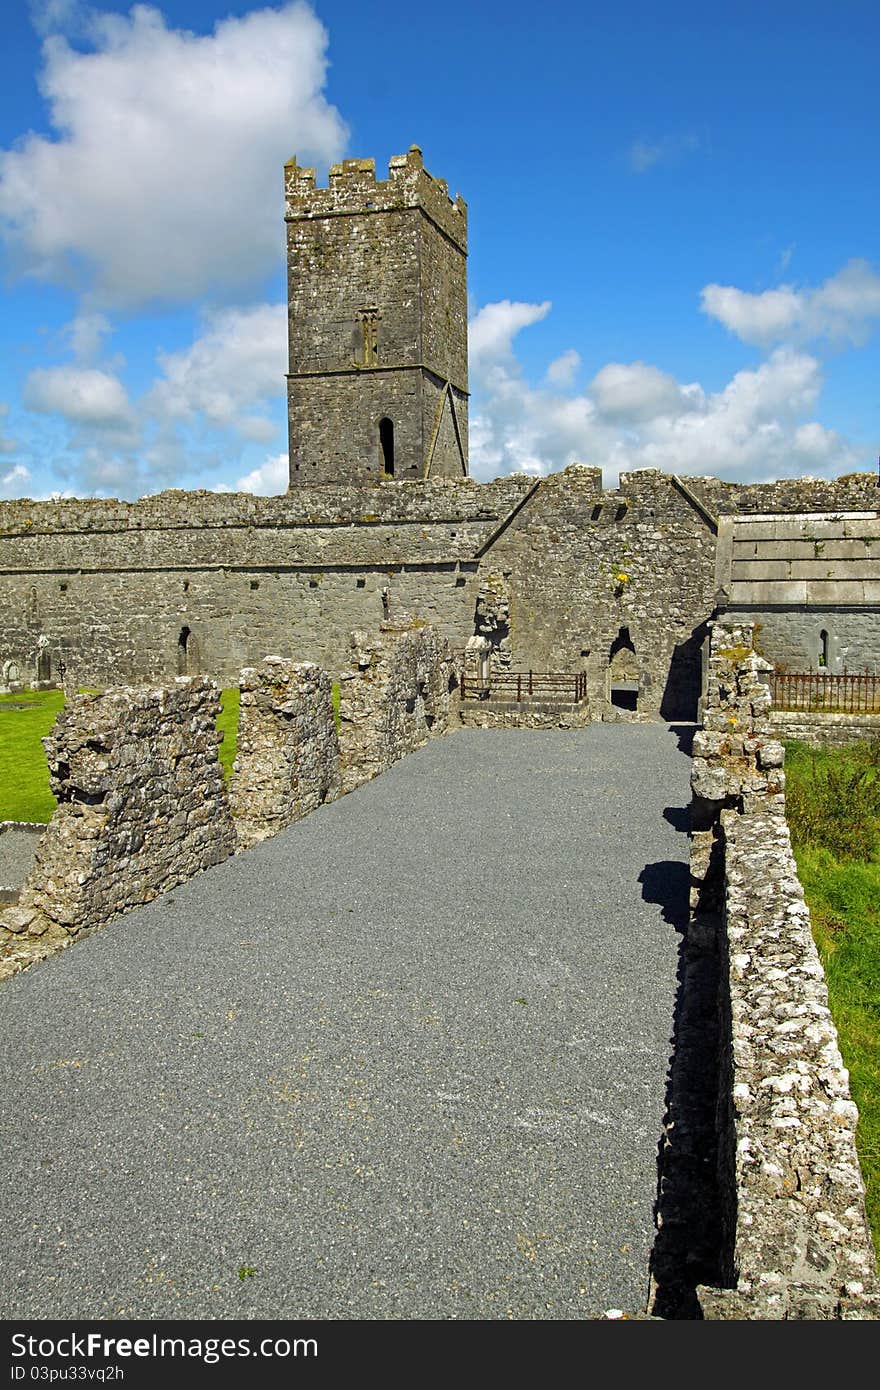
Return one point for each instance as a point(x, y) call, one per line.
point(377, 307)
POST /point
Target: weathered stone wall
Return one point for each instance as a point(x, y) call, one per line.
point(141, 807)
point(824, 730)
point(801, 1247)
point(588, 572)
point(797, 1240)
point(489, 714)
point(398, 694)
point(113, 586)
point(287, 761)
point(211, 583)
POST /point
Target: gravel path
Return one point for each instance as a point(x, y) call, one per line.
point(406, 1060)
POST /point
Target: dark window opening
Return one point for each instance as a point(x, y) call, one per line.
point(63, 588)
point(596, 512)
point(186, 586)
point(621, 511)
point(386, 446)
point(823, 654)
point(185, 648)
point(459, 583)
point(361, 583)
point(255, 583)
point(313, 583)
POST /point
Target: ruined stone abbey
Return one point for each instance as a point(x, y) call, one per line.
point(381, 519)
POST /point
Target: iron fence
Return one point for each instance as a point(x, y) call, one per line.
point(824, 693)
point(551, 687)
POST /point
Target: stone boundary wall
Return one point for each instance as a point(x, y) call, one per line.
point(400, 692)
point(142, 807)
point(825, 730)
point(287, 761)
point(797, 1240)
point(489, 714)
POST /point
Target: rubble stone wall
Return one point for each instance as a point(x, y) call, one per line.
point(287, 761)
point(824, 730)
point(399, 693)
point(142, 806)
point(797, 1239)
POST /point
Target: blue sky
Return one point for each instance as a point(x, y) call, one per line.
point(673, 225)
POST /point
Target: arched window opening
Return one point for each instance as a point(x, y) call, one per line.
point(185, 652)
point(823, 651)
point(386, 446)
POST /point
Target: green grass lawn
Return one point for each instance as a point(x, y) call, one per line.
point(24, 776)
point(833, 800)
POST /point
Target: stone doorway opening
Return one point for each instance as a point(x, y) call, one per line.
point(623, 673)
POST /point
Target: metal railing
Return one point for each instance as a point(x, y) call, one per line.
point(520, 686)
point(826, 693)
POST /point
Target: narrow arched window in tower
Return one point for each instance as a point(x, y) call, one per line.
point(184, 652)
point(386, 446)
point(823, 651)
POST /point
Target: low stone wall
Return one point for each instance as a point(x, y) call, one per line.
point(398, 694)
point(287, 761)
point(141, 807)
point(800, 1244)
point(797, 1243)
point(825, 730)
point(496, 714)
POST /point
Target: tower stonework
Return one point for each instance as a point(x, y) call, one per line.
point(377, 310)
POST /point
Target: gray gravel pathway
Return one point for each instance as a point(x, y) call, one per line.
point(406, 1060)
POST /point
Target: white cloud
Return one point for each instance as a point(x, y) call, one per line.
point(563, 370)
point(634, 391)
point(270, 479)
point(644, 154)
point(164, 179)
point(637, 416)
point(840, 309)
point(236, 366)
point(83, 395)
point(13, 483)
point(493, 328)
point(85, 334)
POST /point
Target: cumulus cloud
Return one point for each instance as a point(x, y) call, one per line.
point(228, 373)
point(841, 309)
point(162, 180)
point(633, 415)
point(270, 479)
point(634, 391)
point(644, 154)
point(15, 481)
point(563, 369)
point(493, 328)
point(83, 395)
point(84, 335)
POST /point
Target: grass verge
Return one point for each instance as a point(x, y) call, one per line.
point(833, 801)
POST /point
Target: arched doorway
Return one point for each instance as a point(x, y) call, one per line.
point(623, 673)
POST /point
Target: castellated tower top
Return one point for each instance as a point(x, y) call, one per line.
point(377, 294)
point(354, 188)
